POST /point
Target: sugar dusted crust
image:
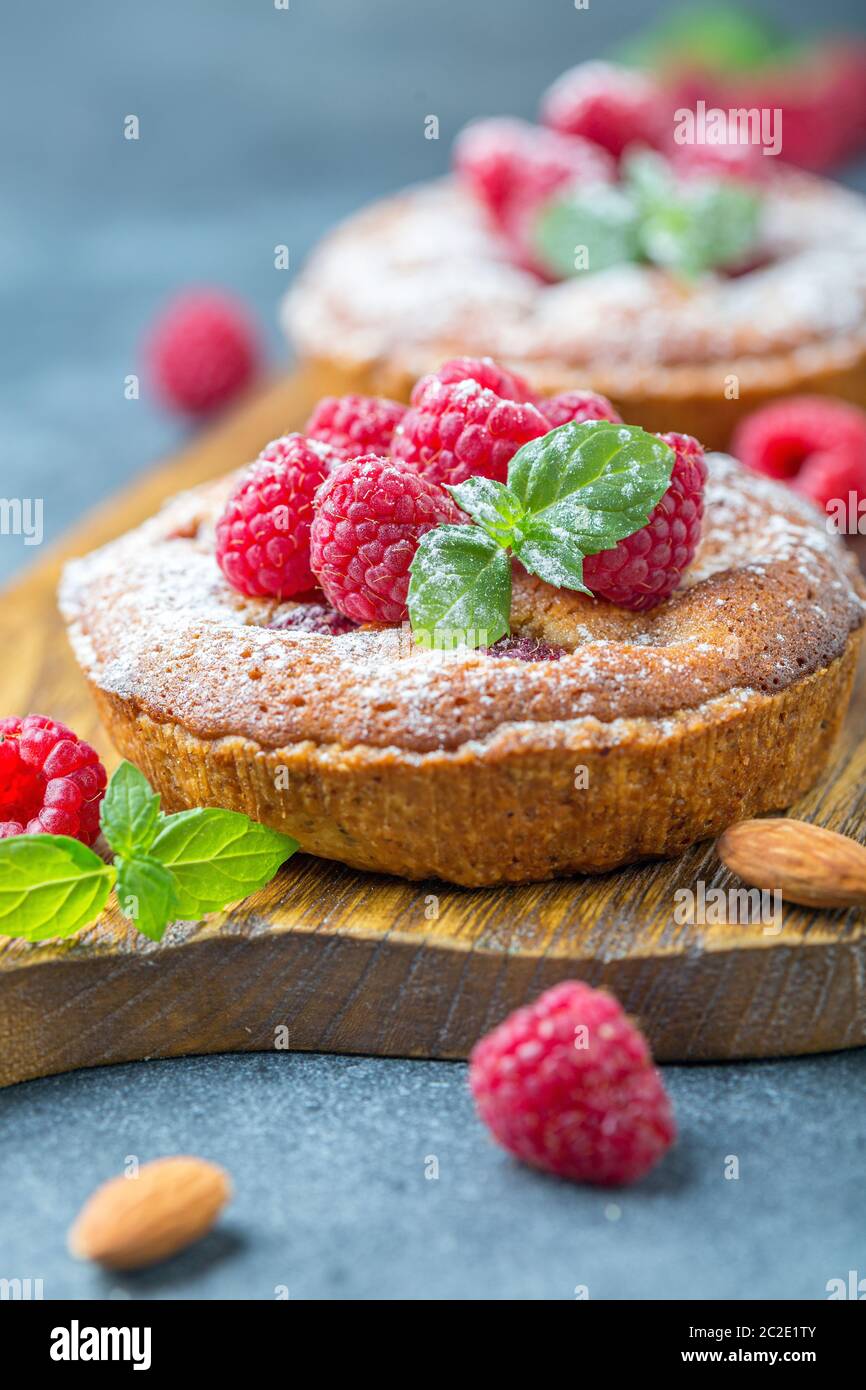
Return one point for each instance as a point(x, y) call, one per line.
point(751, 661)
point(419, 277)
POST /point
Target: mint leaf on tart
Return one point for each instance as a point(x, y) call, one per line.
point(581, 232)
point(50, 885)
point(217, 857)
point(460, 586)
point(597, 482)
point(130, 811)
point(491, 504)
point(686, 225)
point(147, 894)
point(550, 552)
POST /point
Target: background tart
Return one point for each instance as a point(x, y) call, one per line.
point(421, 277)
point(650, 731)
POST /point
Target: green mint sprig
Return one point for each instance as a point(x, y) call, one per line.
point(164, 867)
point(687, 226)
point(573, 492)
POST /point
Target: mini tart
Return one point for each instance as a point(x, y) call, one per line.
point(651, 731)
point(420, 277)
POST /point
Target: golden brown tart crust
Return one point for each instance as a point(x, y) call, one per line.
point(722, 702)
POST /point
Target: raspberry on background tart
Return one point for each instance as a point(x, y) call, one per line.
point(454, 267)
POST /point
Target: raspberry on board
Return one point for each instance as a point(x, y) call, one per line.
point(202, 351)
point(502, 161)
point(577, 406)
point(263, 535)
point(369, 518)
point(647, 566)
point(462, 430)
point(610, 105)
point(481, 369)
point(816, 444)
point(354, 425)
point(51, 781)
point(567, 1084)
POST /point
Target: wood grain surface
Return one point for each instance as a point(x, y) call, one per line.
point(326, 958)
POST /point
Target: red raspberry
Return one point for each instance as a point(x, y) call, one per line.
point(202, 351)
point(502, 159)
point(263, 536)
point(481, 369)
point(460, 431)
point(355, 425)
point(568, 1085)
point(577, 406)
point(815, 443)
point(51, 782)
point(611, 105)
point(647, 566)
point(370, 515)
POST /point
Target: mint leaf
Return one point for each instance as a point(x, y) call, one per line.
point(130, 811)
point(716, 39)
point(491, 504)
point(147, 894)
point(460, 588)
point(217, 857)
point(596, 481)
point(50, 885)
point(550, 552)
point(694, 225)
point(580, 233)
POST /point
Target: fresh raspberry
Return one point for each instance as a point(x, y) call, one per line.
point(263, 536)
point(481, 369)
point(502, 159)
point(370, 515)
point(567, 1084)
point(202, 351)
point(355, 425)
point(647, 566)
point(813, 442)
point(613, 106)
point(525, 649)
point(314, 617)
point(463, 430)
point(577, 406)
point(51, 782)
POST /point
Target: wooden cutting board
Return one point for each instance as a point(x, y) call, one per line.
point(326, 958)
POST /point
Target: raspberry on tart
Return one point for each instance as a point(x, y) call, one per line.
point(577, 406)
point(51, 781)
point(485, 371)
point(353, 425)
point(370, 515)
point(263, 536)
point(461, 430)
point(612, 106)
point(645, 568)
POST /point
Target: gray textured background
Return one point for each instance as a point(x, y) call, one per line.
point(259, 127)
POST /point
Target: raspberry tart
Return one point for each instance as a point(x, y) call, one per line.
point(690, 285)
point(652, 643)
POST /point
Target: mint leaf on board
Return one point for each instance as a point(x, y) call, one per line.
point(147, 894)
point(217, 857)
point(50, 885)
point(550, 552)
point(491, 504)
point(130, 812)
point(597, 482)
point(460, 588)
point(586, 231)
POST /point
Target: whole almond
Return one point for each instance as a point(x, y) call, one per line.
point(809, 865)
point(131, 1222)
